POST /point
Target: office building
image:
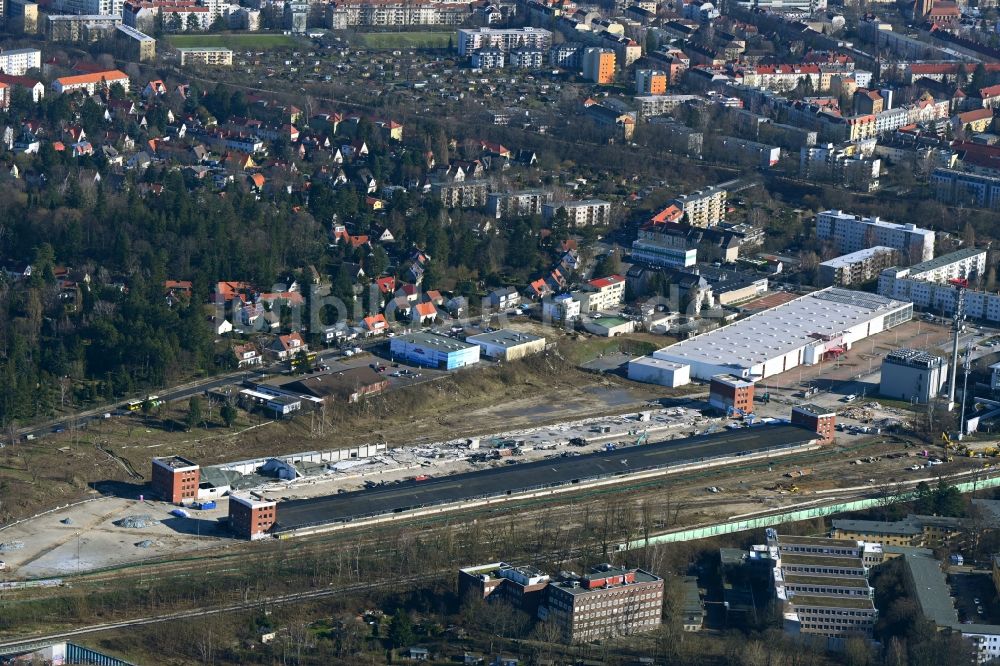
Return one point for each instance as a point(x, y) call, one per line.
point(17, 62)
point(914, 530)
point(857, 267)
point(475, 39)
point(175, 479)
point(507, 345)
point(433, 351)
point(664, 245)
point(251, 518)
point(912, 376)
point(818, 419)
point(598, 64)
point(731, 394)
point(850, 233)
point(608, 601)
point(209, 56)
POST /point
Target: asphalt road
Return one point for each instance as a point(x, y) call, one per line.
point(510, 479)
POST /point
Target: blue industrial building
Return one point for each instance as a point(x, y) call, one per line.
point(433, 351)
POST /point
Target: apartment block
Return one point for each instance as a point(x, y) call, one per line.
point(140, 46)
point(850, 233)
point(527, 58)
point(818, 419)
point(505, 205)
point(175, 479)
point(959, 187)
point(658, 105)
point(488, 59)
point(393, 13)
point(912, 376)
point(731, 394)
point(605, 292)
point(466, 194)
point(598, 64)
point(16, 62)
point(79, 28)
point(703, 208)
point(475, 39)
point(251, 518)
point(209, 56)
point(926, 284)
point(90, 83)
point(679, 138)
point(586, 213)
point(663, 245)
point(857, 267)
point(650, 82)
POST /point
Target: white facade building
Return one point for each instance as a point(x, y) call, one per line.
point(16, 62)
point(850, 233)
point(476, 39)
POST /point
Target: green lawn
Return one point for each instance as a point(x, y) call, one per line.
point(234, 41)
point(406, 40)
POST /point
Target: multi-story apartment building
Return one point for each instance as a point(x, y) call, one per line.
point(679, 137)
point(703, 208)
point(504, 205)
point(488, 59)
point(650, 82)
point(850, 233)
point(841, 165)
point(79, 28)
point(606, 292)
point(960, 187)
point(598, 64)
point(210, 56)
point(91, 7)
point(475, 39)
point(466, 194)
point(912, 375)
point(586, 213)
point(16, 62)
point(525, 57)
point(663, 245)
point(926, 284)
point(140, 46)
point(857, 267)
point(90, 83)
point(175, 479)
point(658, 105)
point(394, 13)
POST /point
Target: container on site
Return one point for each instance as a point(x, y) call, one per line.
point(210, 504)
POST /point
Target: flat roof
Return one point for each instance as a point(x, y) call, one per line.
point(875, 221)
point(135, 34)
point(505, 337)
point(814, 410)
point(657, 363)
point(175, 462)
point(781, 329)
point(250, 501)
point(852, 601)
point(842, 581)
point(498, 481)
point(900, 527)
point(787, 539)
point(944, 260)
point(432, 341)
point(913, 358)
point(809, 559)
point(846, 260)
point(219, 49)
point(930, 586)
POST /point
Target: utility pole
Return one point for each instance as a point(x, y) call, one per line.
point(967, 368)
point(960, 284)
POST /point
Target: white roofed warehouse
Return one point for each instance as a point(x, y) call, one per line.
point(507, 345)
point(804, 331)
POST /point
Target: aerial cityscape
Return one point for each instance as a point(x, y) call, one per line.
point(501, 332)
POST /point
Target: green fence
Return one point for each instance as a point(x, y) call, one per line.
point(771, 520)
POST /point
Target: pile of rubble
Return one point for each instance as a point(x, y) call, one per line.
point(139, 522)
point(10, 546)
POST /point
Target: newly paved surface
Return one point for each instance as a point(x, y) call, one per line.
point(510, 479)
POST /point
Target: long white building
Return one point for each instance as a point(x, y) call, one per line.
point(471, 40)
point(850, 233)
point(16, 62)
point(926, 284)
point(805, 331)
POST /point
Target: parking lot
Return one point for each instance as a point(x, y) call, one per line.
point(975, 598)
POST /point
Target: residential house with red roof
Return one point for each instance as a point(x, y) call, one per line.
point(285, 347)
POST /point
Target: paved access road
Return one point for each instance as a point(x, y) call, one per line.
point(511, 479)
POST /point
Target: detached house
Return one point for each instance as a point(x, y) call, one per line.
point(247, 356)
point(285, 347)
point(423, 313)
point(375, 325)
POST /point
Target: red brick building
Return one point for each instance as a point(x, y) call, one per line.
point(819, 420)
point(251, 518)
point(175, 479)
point(727, 392)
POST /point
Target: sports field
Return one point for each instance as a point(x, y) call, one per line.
point(406, 40)
point(234, 41)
